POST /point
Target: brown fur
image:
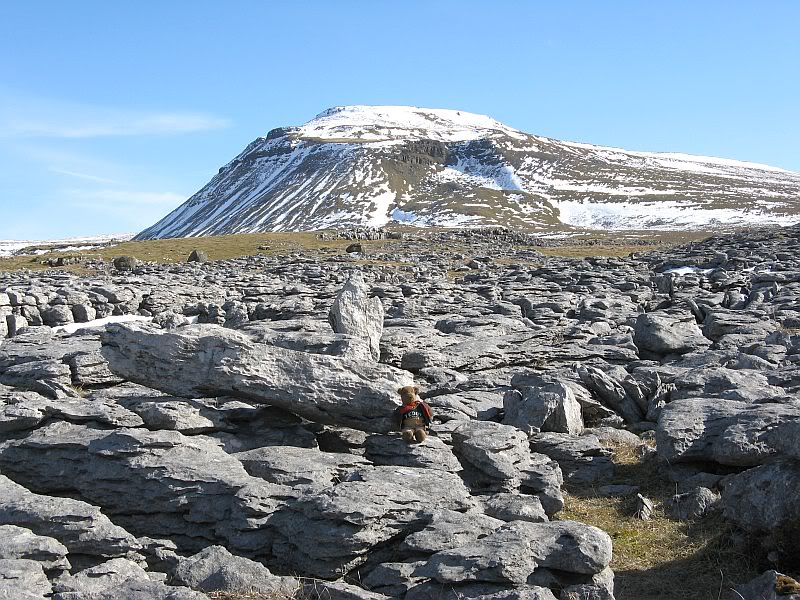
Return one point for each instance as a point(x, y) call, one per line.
point(786, 585)
point(408, 393)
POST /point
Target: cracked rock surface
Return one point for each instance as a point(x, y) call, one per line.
point(240, 434)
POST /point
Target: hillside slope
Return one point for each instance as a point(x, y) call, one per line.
point(371, 165)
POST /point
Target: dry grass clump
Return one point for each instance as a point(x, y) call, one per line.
point(662, 558)
point(305, 593)
point(248, 596)
point(252, 596)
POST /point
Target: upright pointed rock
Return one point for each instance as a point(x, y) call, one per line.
point(355, 313)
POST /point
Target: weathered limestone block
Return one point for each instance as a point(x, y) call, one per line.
point(764, 498)
point(583, 459)
point(549, 407)
point(193, 494)
point(392, 450)
point(329, 533)
point(207, 361)
point(214, 569)
point(513, 552)
point(770, 585)
point(448, 529)
point(292, 466)
point(726, 431)
point(23, 579)
point(79, 526)
point(355, 313)
point(99, 578)
point(19, 542)
point(433, 590)
point(668, 333)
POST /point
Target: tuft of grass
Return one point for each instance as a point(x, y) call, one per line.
point(251, 596)
point(660, 559)
point(79, 389)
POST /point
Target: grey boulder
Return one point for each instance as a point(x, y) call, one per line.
point(79, 526)
point(514, 507)
point(449, 529)
point(764, 498)
point(102, 577)
point(135, 589)
point(728, 384)
point(512, 553)
point(338, 590)
point(726, 431)
point(549, 407)
point(485, 591)
point(19, 542)
point(293, 466)
point(668, 333)
point(207, 361)
point(214, 569)
point(770, 585)
point(329, 533)
point(582, 459)
point(498, 451)
point(693, 504)
point(23, 579)
point(392, 450)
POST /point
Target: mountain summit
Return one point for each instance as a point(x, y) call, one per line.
point(372, 165)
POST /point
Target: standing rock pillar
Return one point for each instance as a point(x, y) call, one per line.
point(355, 313)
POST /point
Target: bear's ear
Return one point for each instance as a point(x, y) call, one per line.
point(399, 390)
point(416, 390)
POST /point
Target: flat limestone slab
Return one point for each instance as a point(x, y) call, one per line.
point(207, 360)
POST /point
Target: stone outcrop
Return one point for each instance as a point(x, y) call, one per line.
point(726, 431)
point(214, 361)
point(82, 528)
point(668, 333)
point(239, 439)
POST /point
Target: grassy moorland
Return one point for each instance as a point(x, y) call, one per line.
point(309, 244)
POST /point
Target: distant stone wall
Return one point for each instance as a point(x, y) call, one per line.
point(361, 233)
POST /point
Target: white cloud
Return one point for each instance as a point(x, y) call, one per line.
point(86, 176)
point(36, 117)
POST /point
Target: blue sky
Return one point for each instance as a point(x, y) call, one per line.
point(111, 114)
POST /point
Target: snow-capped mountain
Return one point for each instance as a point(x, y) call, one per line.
point(372, 165)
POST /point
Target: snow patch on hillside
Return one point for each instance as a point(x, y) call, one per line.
point(472, 171)
point(402, 216)
point(380, 214)
point(617, 216)
point(677, 160)
point(399, 123)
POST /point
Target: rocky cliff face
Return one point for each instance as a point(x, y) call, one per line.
point(372, 165)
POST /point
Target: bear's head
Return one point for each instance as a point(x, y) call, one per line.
point(408, 393)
